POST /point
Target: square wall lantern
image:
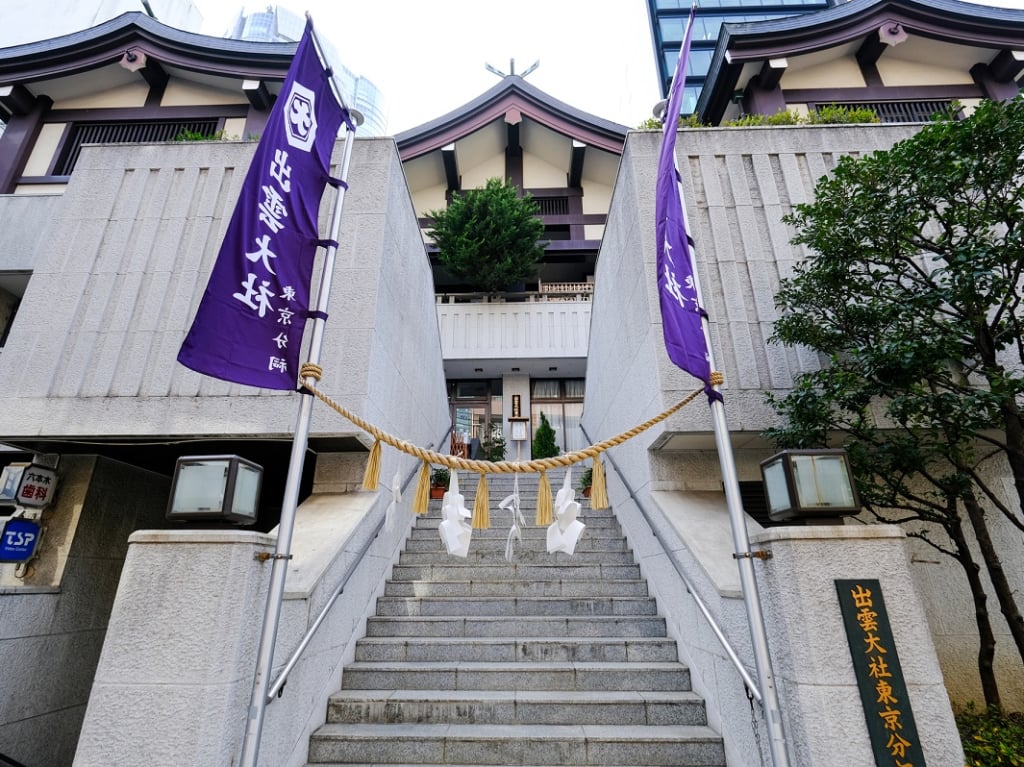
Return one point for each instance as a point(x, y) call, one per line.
point(215, 487)
point(809, 484)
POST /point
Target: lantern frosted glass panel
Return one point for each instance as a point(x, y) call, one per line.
point(247, 490)
point(200, 487)
point(822, 481)
point(775, 484)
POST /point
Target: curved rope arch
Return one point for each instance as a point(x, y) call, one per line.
point(539, 465)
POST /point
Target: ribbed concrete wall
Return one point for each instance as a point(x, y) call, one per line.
point(122, 268)
point(738, 183)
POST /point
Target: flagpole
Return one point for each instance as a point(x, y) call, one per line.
point(282, 551)
point(745, 561)
point(678, 323)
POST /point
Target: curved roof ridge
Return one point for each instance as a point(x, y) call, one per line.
point(511, 92)
point(85, 49)
point(949, 20)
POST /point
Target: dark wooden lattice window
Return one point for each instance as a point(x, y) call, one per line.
point(901, 111)
point(553, 206)
point(126, 132)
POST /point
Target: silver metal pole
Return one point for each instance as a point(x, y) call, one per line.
point(282, 552)
point(745, 560)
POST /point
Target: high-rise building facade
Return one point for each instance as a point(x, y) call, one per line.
point(274, 24)
point(668, 24)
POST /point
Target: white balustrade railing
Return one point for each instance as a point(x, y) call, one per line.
point(523, 329)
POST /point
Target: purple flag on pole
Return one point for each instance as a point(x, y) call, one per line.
point(248, 328)
point(681, 312)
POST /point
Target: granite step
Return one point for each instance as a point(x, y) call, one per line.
point(477, 587)
point(509, 650)
point(504, 745)
point(524, 707)
point(510, 626)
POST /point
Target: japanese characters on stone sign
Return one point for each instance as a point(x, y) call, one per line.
point(249, 325)
point(876, 664)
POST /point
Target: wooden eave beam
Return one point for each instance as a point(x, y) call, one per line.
point(1007, 65)
point(258, 94)
point(576, 157)
point(154, 75)
point(871, 50)
point(16, 100)
point(451, 168)
point(771, 73)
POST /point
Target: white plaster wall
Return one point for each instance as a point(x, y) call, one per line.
point(183, 93)
point(538, 172)
point(476, 176)
point(838, 73)
point(124, 96)
point(895, 71)
point(41, 157)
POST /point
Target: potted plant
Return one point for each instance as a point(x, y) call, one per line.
point(439, 479)
point(544, 444)
point(584, 482)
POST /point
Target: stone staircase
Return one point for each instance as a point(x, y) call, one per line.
point(551, 660)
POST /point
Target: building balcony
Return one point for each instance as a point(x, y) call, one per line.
point(539, 333)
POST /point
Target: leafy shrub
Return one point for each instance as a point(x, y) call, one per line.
point(586, 479)
point(197, 135)
point(832, 115)
point(544, 445)
point(829, 115)
point(782, 117)
point(991, 738)
point(489, 237)
point(440, 477)
point(685, 121)
point(493, 446)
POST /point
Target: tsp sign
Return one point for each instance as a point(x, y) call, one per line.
point(18, 540)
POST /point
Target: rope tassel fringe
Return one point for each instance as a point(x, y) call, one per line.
point(598, 487)
point(481, 505)
point(544, 513)
point(371, 477)
point(421, 498)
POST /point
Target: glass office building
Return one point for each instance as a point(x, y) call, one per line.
point(274, 24)
point(668, 23)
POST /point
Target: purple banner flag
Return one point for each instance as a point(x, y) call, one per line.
point(248, 328)
point(681, 312)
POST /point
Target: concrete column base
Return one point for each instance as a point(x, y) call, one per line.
point(821, 703)
point(175, 676)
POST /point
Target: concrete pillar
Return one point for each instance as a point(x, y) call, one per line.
point(516, 384)
point(175, 676)
point(820, 699)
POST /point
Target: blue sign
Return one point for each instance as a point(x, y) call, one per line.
point(18, 540)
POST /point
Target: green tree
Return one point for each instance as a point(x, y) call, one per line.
point(489, 237)
point(912, 296)
point(544, 445)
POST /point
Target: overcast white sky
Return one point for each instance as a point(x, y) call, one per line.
point(428, 56)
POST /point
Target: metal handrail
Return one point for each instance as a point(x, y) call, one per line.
point(715, 628)
point(277, 687)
